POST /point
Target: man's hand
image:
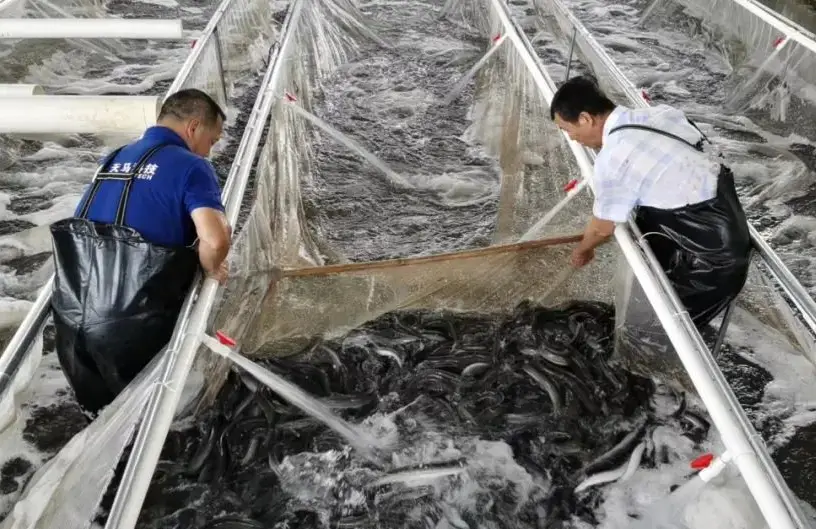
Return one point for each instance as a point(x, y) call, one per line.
point(221, 273)
point(580, 256)
point(597, 232)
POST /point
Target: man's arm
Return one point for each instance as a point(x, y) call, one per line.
point(213, 240)
point(616, 195)
point(202, 199)
point(596, 233)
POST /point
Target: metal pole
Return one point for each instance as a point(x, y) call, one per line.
point(218, 56)
point(571, 52)
point(165, 397)
point(715, 350)
point(792, 287)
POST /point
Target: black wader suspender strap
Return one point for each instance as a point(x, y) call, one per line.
point(102, 175)
point(696, 146)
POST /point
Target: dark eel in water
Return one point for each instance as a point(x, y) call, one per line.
point(234, 522)
point(539, 380)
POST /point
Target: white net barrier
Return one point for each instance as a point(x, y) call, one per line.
point(772, 64)
point(65, 492)
point(320, 294)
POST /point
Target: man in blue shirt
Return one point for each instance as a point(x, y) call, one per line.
point(124, 263)
point(175, 198)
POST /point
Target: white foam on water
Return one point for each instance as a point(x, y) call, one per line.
point(46, 389)
point(321, 479)
point(792, 393)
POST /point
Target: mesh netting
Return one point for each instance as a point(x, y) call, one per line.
point(331, 300)
point(772, 75)
point(641, 343)
point(273, 315)
point(66, 491)
point(239, 43)
point(512, 121)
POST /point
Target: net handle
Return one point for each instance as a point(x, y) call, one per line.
point(453, 256)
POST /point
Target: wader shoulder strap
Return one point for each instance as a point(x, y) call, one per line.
point(103, 174)
point(696, 146)
point(693, 124)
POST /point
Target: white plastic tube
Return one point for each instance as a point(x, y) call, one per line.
point(18, 90)
point(796, 33)
point(104, 115)
point(734, 437)
point(90, 28)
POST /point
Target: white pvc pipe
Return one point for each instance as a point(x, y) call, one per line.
point(684, 337)
point(103, 115)
point(18, 90)
point(792, 287)
point(798, 34)
point(90, 28)
point(722, 415)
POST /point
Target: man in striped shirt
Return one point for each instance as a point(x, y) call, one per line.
point(651, 164)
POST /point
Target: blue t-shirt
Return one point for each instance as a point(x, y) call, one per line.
point(172, 183)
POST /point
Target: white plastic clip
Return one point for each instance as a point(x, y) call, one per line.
point(715, 467)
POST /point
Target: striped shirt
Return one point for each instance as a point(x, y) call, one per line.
point(644, 168)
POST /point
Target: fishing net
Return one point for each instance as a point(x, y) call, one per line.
point(641, 343)
point(239, 43)
point(290, 286)
point(66, 491)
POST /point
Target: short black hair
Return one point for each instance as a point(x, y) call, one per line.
point(192, 103)
point(580, 94)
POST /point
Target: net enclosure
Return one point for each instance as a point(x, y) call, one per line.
point(291, 286)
